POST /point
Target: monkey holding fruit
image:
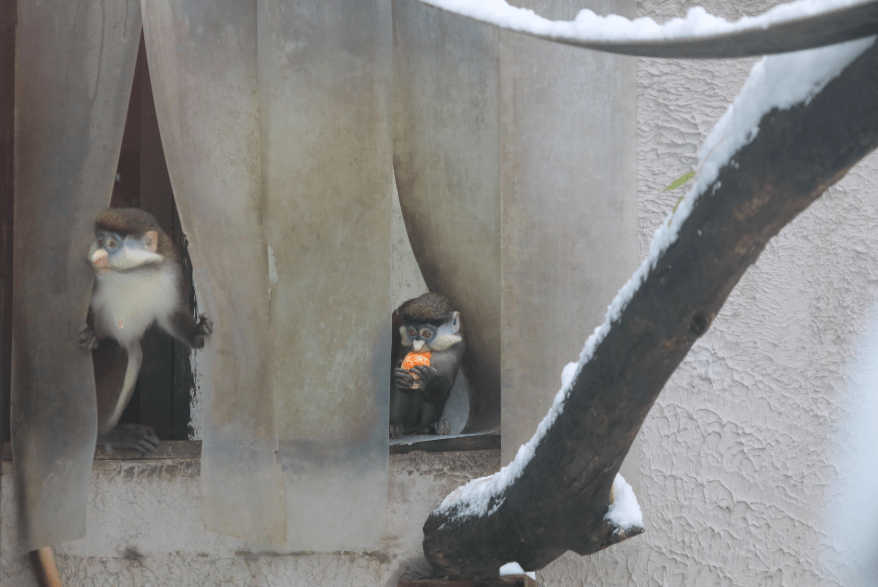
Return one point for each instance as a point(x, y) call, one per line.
point(427, 356)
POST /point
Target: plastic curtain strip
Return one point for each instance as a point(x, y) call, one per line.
point(75, 64)
point(202, 60)
point(324, 80)
point(447, 163)
point(282, 172)
point(569, 199)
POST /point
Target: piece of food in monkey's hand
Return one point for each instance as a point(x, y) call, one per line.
point(412, 359)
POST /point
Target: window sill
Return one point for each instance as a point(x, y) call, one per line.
point(191, 449)
point(458, 443)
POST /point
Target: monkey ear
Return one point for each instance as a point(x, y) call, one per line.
point(151, 240)
point(455, 322)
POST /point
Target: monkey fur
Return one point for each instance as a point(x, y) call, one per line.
point(418, 395)
point(138, 282)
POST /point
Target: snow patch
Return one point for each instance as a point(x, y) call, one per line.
point(852, 541)
point(515, 569)
point(624, 512)
point(779, 81)
point(568, 373)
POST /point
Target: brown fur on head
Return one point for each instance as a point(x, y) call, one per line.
point(429, 308)
point(135, 222)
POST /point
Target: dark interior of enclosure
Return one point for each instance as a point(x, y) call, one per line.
point(162, 396)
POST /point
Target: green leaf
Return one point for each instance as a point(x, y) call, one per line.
point(680, 181)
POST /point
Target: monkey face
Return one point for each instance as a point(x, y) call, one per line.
point(111, 251)
point(417, 335)
point(435, 338)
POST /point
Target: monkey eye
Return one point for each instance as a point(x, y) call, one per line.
point(100, 242)
point(413, 332)
point(426, 333)
point(111, 243)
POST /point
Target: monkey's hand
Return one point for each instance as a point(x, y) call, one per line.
point(202, 329)
point(404, 380)
point(424, 374)
point(87, 338)
point(397, 430)
point(131, 436)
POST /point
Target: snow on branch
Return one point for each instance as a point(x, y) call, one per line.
point(775, 82)
point(803, 24)
point(800, 122)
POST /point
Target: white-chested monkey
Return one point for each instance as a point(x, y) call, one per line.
point(138, 282)
point(426, 359)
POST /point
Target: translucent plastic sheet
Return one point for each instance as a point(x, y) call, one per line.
point(569, 224)
point(447, 162)
point(75, 63)
point(202, 60)
point(324, 74)
point(515, 165)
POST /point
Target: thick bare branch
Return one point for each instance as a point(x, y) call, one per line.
point(819, 30)
point(559, 501)
point(835, 25)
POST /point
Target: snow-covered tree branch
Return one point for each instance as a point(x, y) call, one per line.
point(803, 24)
point(800, 123)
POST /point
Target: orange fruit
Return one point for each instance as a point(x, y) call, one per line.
point(413, 359)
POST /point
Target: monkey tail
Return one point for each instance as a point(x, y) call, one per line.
point(44, 566)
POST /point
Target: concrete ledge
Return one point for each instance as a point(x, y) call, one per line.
point(144, 527)
point(191, 449)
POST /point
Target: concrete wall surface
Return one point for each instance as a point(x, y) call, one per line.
point(144, 530)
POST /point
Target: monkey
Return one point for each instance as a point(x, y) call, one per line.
point(138, 283)
point(427, 324)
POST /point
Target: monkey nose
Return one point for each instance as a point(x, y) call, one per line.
point(417, 344)
point(100, 259)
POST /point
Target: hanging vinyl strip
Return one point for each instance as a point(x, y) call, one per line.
point(74, 67)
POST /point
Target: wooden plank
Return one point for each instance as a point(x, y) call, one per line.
point(184, 449)
point(452, 444)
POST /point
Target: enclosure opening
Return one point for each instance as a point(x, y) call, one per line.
point(163, 393)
